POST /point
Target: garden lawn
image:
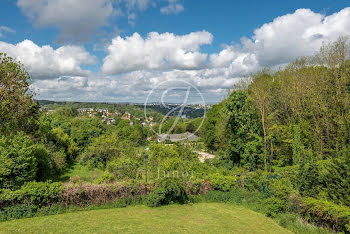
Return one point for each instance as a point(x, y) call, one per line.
point(193, 218)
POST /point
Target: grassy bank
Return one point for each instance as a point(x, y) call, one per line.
point(199, 218)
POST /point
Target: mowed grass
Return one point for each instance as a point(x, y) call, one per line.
point(196, 218)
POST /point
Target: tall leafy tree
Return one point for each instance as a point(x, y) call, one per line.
point(17, 109)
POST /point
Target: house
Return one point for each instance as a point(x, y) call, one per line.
point(177, 137)
point(85, 110)
point(126, 115)
point(102, 110)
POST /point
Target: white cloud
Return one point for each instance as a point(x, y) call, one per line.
point(156, 51)
point(139, 64)
point(174, 7)
point(77, 20)
point(47, 63)
point(5, 29)
point(133, 86)
point(282, 41)
point(138, 4)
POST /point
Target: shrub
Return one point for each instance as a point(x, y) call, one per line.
point(290, 172)
point(59, 158)
point(106, 178)
point(281, 188)
point(335, 180)
point(36, 193)
point(168, 190)
point(275, 206)
point(325, 213)
point(123, 168)
point(18, 211)
point(17, 160)
point(222, 183)
point(309, 179)
point(256, 181)
point(45, 164)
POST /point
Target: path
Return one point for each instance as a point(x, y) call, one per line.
point(204, 155)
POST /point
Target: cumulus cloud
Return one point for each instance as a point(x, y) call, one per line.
point(47, 63)
point(134, 86)
point(156, 51)
point(77, 20)
point(6, 30)
point(284, 39)
point(174, 7)
point(134, 65)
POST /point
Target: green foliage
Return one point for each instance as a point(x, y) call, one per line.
point(18, 211)
point(85, 129)
point(66, 112)
point(101, 150)
point(336, 180)
point(222, 183)
point(275, 206)
point(18, 161)
point(326, 213)
point(246, 146)
point(135, 133)
point(123, 168)
point(18, 112)
point(36, 193)
point(281, 188)
point(256, 181)
point(168, 190)
point(309, 179)
point(215, 127)
point(45, 163)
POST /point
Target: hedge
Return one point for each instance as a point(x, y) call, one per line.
point(324, 213)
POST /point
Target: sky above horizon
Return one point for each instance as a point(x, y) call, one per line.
point(119, 50)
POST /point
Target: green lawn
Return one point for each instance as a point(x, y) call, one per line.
point(196, 218)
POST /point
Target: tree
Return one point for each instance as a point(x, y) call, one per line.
point(260, 90)
point(17, 109)
point(103, 149)
point(245, 144)
point(215, 127)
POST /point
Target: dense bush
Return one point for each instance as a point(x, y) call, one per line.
point(168, 190)
point(309, 179)
point(18, 161)
point(336, 180)
point(222, 183)
point(36, 193)
point(325, 213)
point(256, 181)
point(275, 206)
point(123, 168)
point(101, 150)
point(18, 211)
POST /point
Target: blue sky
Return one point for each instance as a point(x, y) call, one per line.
point(101, 50)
